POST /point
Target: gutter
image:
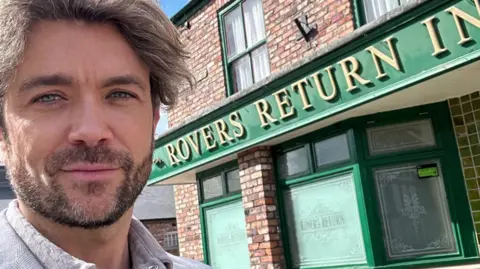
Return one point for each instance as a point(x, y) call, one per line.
point(188, 11)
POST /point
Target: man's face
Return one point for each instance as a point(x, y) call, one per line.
point(79, 124)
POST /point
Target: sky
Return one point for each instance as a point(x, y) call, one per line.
point(170, 7)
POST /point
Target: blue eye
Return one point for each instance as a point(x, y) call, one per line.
point(48, 98)
point(121, 95)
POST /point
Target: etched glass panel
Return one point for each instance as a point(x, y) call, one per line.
point(324, 224)
point(227, 237)
point(332, 150)
point(233, 179)
point(416, 220)
point(400, 137)
point(212, 187)
point(294, 162)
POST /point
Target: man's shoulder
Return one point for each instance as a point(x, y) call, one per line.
point(13, 252)
point(185, 263)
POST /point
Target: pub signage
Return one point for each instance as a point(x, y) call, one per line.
point(423, 48)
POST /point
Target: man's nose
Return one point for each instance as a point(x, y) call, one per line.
point(89, 125)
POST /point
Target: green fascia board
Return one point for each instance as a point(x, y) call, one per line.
point(188, 11)
point(416, 65)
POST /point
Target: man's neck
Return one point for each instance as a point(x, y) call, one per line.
point(98, 246)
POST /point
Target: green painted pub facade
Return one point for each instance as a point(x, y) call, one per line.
point(364, 155)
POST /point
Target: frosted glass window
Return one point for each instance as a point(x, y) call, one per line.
point(324, 223)
point(401, 137)
point(414, 212)
point(293, 162)
point(233, 180)
point(242, 72)
point(227, 237)
point(332, 150)
point(254, 22)
point(212, 187)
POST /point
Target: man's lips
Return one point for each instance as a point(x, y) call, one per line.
point(90, 172)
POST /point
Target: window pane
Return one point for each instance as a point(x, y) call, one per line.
point(293, 162)
point(332, 150)
point(242, 71)
point(212, 187)
point(416, 220)
point(261, 64)
point(401, 137)
point(254, 21)
point(324, 223)
point(234, 33)
point(233, 179)
point(227, 237)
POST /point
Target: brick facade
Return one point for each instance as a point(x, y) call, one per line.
point(465, 112)
point(188, 216)
point(158, 228)
point(334, 20)
point(261, 216)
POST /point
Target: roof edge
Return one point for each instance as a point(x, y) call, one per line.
point(187, 11)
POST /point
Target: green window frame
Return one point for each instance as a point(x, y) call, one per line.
point(227, 197)
point(361, 165)
point(228, 62)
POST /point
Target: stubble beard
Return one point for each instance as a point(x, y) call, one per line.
point(47, 197)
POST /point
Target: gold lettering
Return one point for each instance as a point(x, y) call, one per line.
point(222, 131)
point(284, 103)
point(262, 109)
point(376, 54)
point(432, 32)
point(180, 149)
point(299, 86)
point(171, 155)
point(352, 74)
point(207, 138)
point(195, 144)
point(460, 14)
point(241, 128)
point(321, 90)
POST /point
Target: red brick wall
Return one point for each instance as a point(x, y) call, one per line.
point(188, 216)
point(261, 212)
point(158, 228)
point(334, 19)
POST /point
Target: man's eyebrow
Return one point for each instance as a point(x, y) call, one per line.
point(123, 80)
point(47, 80)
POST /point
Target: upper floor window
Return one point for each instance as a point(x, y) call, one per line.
point(376, 8)
point(244, 43)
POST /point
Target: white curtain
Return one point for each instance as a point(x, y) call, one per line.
point(376, 8)
point(261, 64)
point(254, 21)
point(235, 33)
point(242, 70)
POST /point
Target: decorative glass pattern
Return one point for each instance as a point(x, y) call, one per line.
point(324, 224)
point(416, 220)
point(332, 150)
point(227, 237)
point(294, 162)
point(400, 137)
point(233, 181)
point(212, 187)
